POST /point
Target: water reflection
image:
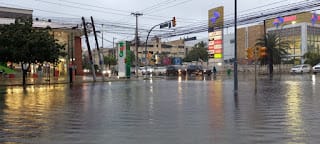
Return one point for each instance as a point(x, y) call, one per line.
point(294, 120)
point(27, 115)
point(174, 110)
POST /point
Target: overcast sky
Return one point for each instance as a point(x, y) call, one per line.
point(187, 12)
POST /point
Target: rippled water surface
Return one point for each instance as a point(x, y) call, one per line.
point(286, 109)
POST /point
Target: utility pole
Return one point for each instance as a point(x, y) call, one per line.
point(100, 55)
point(113, 49)
point(136, 14)
point(102, 36)
point(89, 49)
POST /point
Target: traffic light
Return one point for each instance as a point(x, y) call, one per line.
point(250, 53)
point(174, 22)
point(262, 52)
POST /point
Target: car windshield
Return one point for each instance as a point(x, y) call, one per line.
point(297, 66)
point(192, 66)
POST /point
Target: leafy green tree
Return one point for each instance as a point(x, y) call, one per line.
point(21, 43)
point(199, 51)
point(311, 58)
point(275, 49)
point(110, 60)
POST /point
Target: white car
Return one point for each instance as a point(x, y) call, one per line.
point(304, 68)
point(316, 68)
point(160, 70)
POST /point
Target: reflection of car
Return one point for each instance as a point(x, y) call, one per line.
point(316, 68)
point(160, 70)
point(304, 68)
point(175, 70)
point(195, 69)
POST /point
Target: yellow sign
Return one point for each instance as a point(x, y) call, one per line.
point(219, 55)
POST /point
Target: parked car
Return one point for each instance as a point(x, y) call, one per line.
point(175, 70)
point(207, 71)
point(147, 70)
point(316, 68)
point(160, 70)
point(195, 69)
point(304, 68)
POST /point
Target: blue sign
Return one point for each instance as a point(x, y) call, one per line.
point(216, 15)
point(314, 18)
point(177, 61)
point(278, 21)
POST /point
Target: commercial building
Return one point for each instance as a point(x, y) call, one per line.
point(160, 52)
point(301, 30)
point(8, 15)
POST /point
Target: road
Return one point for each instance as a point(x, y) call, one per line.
point(179, 110)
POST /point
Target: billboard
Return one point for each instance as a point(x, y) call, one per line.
point(215, 48)
point(215, 18)
point(124, 59)
point(215, 32)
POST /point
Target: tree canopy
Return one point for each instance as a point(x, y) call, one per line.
point(199, 51)
point(21, 43)
point(276, 48)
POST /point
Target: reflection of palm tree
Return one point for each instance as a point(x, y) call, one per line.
point(275, 49)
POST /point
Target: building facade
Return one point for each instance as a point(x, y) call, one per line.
point(158, 52)
point(300, 31)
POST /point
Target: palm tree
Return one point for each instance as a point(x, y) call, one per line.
point(275, 49)
point(311, 58)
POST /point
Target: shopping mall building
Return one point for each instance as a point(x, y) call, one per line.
point(299, 30)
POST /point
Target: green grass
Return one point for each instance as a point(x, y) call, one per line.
point(7, 70)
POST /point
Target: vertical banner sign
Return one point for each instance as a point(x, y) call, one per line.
point(121, 59)
point(128, 60)
point(215, 31)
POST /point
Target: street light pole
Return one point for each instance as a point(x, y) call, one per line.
point(136, 14)
point(235, 50)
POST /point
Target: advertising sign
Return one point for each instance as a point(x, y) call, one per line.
point(124, 59)
point(215, 44)
point(215, 31)
point(215, 18)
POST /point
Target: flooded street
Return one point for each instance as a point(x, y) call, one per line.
point(172, 110)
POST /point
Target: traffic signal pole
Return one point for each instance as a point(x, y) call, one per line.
point(146, 46)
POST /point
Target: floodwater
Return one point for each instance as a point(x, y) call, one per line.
point(285, 110)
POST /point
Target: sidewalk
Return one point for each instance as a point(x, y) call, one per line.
point(17, 81)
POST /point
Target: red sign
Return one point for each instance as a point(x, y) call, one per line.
point(217, 42)
point(217, 51)
point(211, 47)
point(290, 18)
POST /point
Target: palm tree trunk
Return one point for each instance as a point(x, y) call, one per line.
point(270, 59)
